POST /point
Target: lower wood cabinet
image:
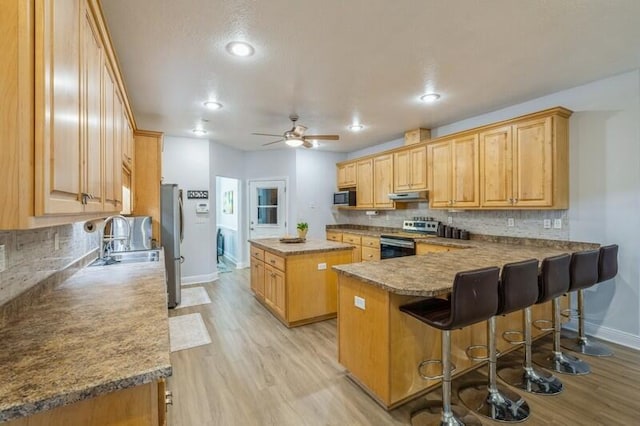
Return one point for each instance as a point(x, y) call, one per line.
point(142, 405)
point(424, 248)
point(298, 289)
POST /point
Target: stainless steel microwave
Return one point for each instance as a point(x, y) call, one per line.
point(344, 198)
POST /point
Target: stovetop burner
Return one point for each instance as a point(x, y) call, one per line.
point(421, 226)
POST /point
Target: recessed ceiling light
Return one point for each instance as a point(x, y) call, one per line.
point(429, 97)
point(240, 48)
point(199, 132)
point(213, 105)
point(356, 127)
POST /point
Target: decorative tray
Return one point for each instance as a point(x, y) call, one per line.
point(292, 240)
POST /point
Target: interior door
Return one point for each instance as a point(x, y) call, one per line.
point(268, 207)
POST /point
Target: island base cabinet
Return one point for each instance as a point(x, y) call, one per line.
point(141, 406)
point(382, 347)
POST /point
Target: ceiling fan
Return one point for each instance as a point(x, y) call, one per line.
point(296, 137)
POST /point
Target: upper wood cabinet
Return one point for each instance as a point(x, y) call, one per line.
point(364, 173)
point(383, 181)
point(454, 173)
point(56, 135)
point(525, 165)
point(147, 176)
point(347, 175)
point(410, 170)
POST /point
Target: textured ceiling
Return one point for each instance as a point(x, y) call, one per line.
point(337, 61)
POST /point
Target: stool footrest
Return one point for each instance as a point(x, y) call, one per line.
point(538, 324)
point(470, 349)
point(506, 336)
point(570, 313)
point(428, 362)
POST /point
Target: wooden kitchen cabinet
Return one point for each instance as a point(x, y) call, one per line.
point(424, 248)
point(334, 236)
point(257, 277)
point(370, 253)
point(347, 175)
point(410, 169)
point(147, 177)
point(525, 165)
point(274, 294)
point(364, 196)
point(54, 138)
point(454, 176)
point(383, 181)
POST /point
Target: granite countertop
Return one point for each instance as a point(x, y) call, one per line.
point(432, 274)
point(274, 245)
point(103, 329)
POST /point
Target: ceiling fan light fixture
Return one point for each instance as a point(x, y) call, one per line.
point(199, 132)
point(356, 127)
point(212, 105)
point(429, 97)
point(294, 142)
point(240, 48)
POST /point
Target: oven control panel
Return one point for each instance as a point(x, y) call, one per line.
point(423, 226)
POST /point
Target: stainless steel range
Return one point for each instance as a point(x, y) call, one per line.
point(398, 246)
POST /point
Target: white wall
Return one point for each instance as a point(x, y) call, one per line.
point(315, 185)
point(227, 222)
point(185, 161)
point(377, 148)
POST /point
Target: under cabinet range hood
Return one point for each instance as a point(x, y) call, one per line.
point(408, 196)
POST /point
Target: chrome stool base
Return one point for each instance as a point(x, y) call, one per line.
point(532, 380)
point(586, 347)
point(431, 414)
point(502, 404)
point(564, 363)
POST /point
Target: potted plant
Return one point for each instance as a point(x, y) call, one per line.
point(303, 227)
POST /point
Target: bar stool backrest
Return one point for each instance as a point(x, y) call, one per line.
point(584, 269)
point(554, 278)
point(608, 262)
point(518, 286)
point(474, 297)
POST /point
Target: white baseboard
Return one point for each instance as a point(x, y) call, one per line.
point(609, 334)
point(200, 279)
point(242, 265)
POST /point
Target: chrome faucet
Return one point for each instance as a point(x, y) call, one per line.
point(109, 240)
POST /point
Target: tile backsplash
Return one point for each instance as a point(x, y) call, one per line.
point(30, 256)
point(527, 223)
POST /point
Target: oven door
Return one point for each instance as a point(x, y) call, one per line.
point(396, 247)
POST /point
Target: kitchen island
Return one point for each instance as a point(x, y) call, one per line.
point(295, 281)
point(92, 350)
point(382, 347)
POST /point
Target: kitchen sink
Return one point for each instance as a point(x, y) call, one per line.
point(128, 257)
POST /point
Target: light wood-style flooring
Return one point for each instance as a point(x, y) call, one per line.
point(258, 372)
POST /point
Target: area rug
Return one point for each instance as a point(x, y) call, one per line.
point(187, 331)
point(193, 296)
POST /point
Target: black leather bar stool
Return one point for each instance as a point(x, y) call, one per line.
point(553, 282)
point(495, 401)
point(474, 299)
point(582, 274)
point(519, 290)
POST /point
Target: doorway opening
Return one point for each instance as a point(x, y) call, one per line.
point(227, 222)
point(267, 208)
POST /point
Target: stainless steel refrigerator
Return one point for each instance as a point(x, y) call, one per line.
point(172, 234)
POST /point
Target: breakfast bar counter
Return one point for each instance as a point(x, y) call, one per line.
point(381, 347)
point(96, 345)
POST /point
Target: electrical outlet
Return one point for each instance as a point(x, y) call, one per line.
point(511, 223)
point(546, 223)
point(359, 302)
point(322, 266)
point(449, 219)
point(56, 241)
point(3, 261)
point(557, 223)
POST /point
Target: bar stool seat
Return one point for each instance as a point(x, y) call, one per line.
point(586, 272)
point(474, 298)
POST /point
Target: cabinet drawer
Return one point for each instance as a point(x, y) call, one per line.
point(370, 253)
point(351, 239)
point(274, 260)
point(334, 236)
point(370, 242)
point(422, 248)
point(257, 253)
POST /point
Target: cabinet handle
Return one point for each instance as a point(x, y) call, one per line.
point(510, 200)
point(168, 397)
point(515, 201)
point(273, 262)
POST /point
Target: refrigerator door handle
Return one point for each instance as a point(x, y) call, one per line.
point(181, 259)
point(181, 216)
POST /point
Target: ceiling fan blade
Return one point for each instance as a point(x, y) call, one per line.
point(307, 144)
point(266, 134)
point(323, 137)
point(271, 143)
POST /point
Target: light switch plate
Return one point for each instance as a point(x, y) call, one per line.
point(546, 223)
point(449, 219)
point(56, 241)
point(3, 261)
point(359, 302)
point(322, 266)
point(510, 222)
point(557, 223)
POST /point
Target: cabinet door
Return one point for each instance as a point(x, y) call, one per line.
point(91, 120)
point(57, 106)
point(370, 253)
point(364, 197)
point(418, 169)
point(274, 292)
point(439, 167)
point(496, 167)
point(109, 132)
point(127, 151)
point(257, 278)
point(402, 171)
point(347, 175)
point(334, 236)
point(383, 182)
point(120, 132)
point(465, 182)
point(533, 168)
